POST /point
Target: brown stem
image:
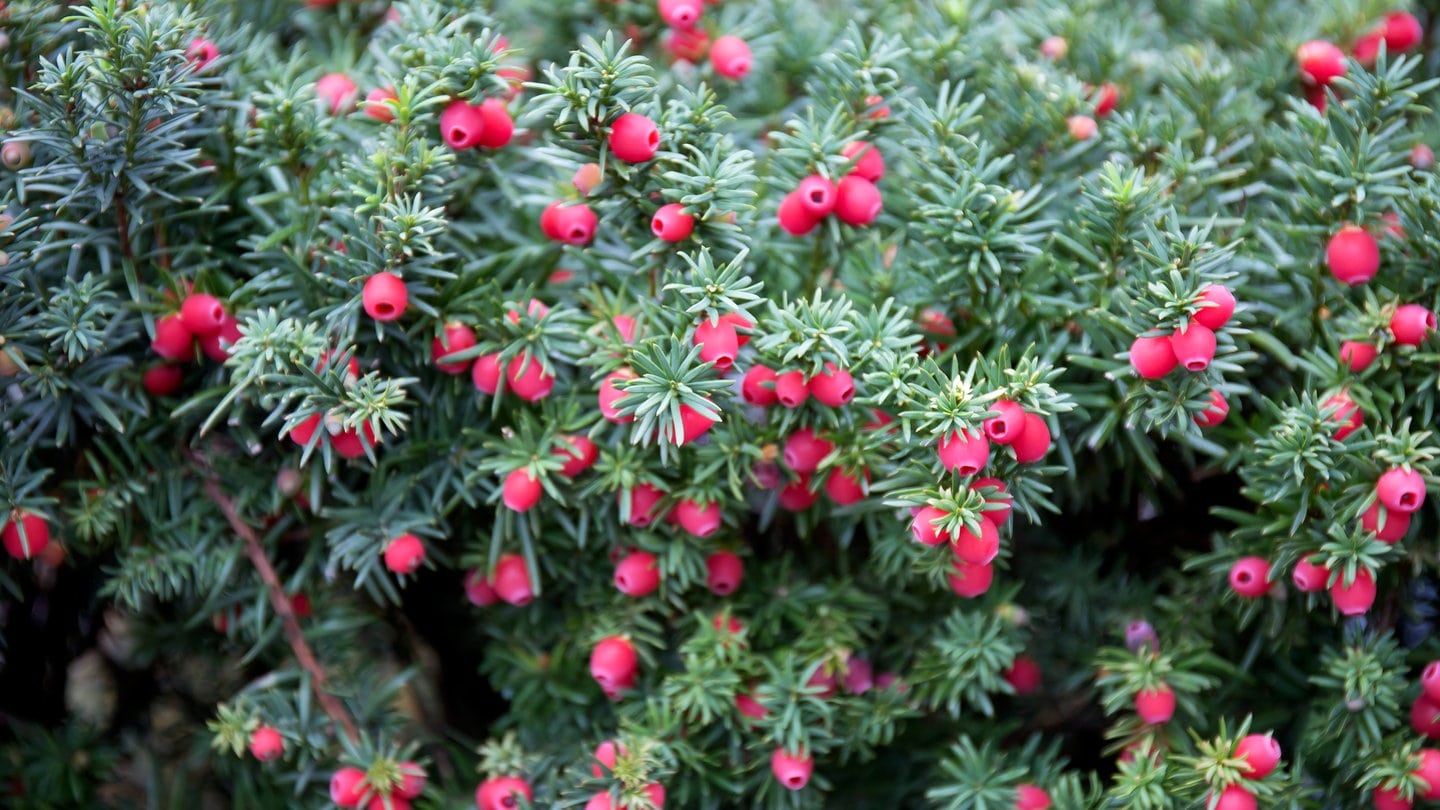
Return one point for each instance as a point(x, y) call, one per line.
point(304, 655)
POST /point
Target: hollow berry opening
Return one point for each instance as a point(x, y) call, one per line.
point(1196, 365)
point(657, 226)
point(817, 196)
point(967, 469)
point(1243, 577)
point(1408, 499)
point(653, 139)
point(797, 781)
point(385, 308)
point(579, 234)
point(458, 134)
point(724, 588)
point(217, 312)
point(1430, 321)
point(622, 581)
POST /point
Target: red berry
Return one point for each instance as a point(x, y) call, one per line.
point(671, 223)
point(348, 787)
point(1396, 523)
point(385, 297)
point(478, 589)
point(794, 218)
point(1250, 577)
point(1155, 706)
point(792, 770)
point(638, 574)
point(579, 453)
point(457, 337)
point(681, 14)
point(844, 489)
point(586, 178)
point(36, 530)
point(1356, 598)
point(1153, 357)
point(610, 396)
point(613, 664)
point(978, 549)
point(869, 165)
point(1358, 356)
point(1422, 157)
point(965, 452)
point(816, 195)
point(1217, 305)
point(303, 432)
point(693, 424)
point(644, 500)
point(1367, 48)
point(859, 675)
point(1429, 771)
point(730, 55)
point(1412, 324)
point(834, 386)
point(697, 519)
point(995, 516)
point(1352, 255)
point(634, 138)
point(1105, 101)
point(1215, 411)
point(1261, 754)
point(512, 580)
point(521, 490)
point(1024, 675)
point(749, 707)
point(1347, 414)
point(217, 346)
point(337, 92)
point(1082, 127)
point(687, 44)
point(606, 753)
point(527, 378)
point(1425, 717)
point(1401, 490)
point(791, 389)
point(500, 793)
point(1310, 577)
point(970, 580)
point(796, 496)
point(404, 554)
point(163, 380)
point(804, 450)
point(1054, 47)
point(462, 125)
point(758, 386)
point(740, 324)
point(571, 224)
point(497, 127)
point(1008, 425)
point(718, 343)
point(348, 444)
point(173, 341)
point(1402, 31)
point(1320, 62)
point(375, 105)
point(1034, 441)
point(412, 781)
point(857, 200)
point(1391, 799)
point(266, 744)
point(1030, 797)
point(1194, 347)
point(202, 314)
point(201, 53)
point(723, 572)
point(1430, 680)
point(1236, 798)
point(486, 373)
point(923, 528)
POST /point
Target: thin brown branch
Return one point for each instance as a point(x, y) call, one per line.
point(304, 655)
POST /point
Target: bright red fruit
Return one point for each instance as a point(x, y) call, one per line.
point(605, 755)
point(173, 341)
point(498, 127)
point(816, 195)
point(1395, 526)
point(1155, 706)
point(1310, 577)
point(731, 57)
point(1390, 800)
point(486, 373)
point(1356, 598)
point(857, 200)
point(521, 490)
point(163, 380)
point(614, 664)
point(970, 580)
point(404, 554)
point(634, 138)
point(478, 589)
point(671, 223)
point(804, 450)
point(1217, 305)
point(202, 314)
point(527, 378)
point(638, 574)
point(266, 744)
point(758, 386)
point(1236, 798)
point(844, 489)
point(1430, 680)
point(1215, 411)
point(412, 782)
point(869, 165)
point(610, 396)
point(1008, 424)
point(965, 452)
point(375, 105)
point(1358, 356)
point(697, 519)
point(1412, 324)
point(348, 444)
point(1425, 717)
point(1034, 441)
point(337, 92)
point(1105, 101)
point(462, 125)
point(1030, 797)
point(201, 53)
point(217, 346)
point(385, 297)
point(1347, 414)
point(995, 516)
point(512, 580)
point(1261, 754)
point(791, 390)
point(680, 13)
point(792, 770)
point(693, 425)
point(723, 572)
point(644, 500)
point(499, 793)
point(1401, 490)
point(1352, 255)
point(794, 218)
point(1402, 31)
point(1429, 770)
point(923, 528)
point(579, 453)
point(1250, 577)
point(1194, 347)
point(1153, 357)
point(347, 787)
point(687, 44)
point(1024, 675)
point(718, 343)
point(833, 386)
point(1320, 62)
point(977, 548)
point(457, 338)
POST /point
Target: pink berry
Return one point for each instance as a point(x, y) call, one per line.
point(1347, 415)
point(266, 744)
point(723, 572)
point(571, 224)
point(1082, 127)
point(611, 395)
point(1352, 255)
point(1215, 411)
point(202, 314)
point(1412, 324)
point(404, 554)
point(478, 589)
point(1358, 356)
point(163, 380)
point(1250, 577)
point(348, 787)
point(36, 531)
point(527, 378)
point(1194, 347)
point(614, 664)
point(796, 496)
point(978, 549)
point(969, 580)
point(586, 178)
point(857, 200)
point(794, 218)
point(996, 516)
point(217, 346)
point(385, 297)
point(1033, 443)
point(791, 389)
point(173, 341)
point(638, 574)
point(672, 224)
point(1261, 754)
point(816, 196)
point(521, 490)
point(692, 425)
point(486, 373)
point(1425, 716)
point(634, 138)
point(1153, 357)
point(1309, 576)
point(923, 528)
point(1402, 31)
point(457, 337)
point(376, 106)
point(1008, 425)
point(682, 14)
point(1030, 797)
point(462, 125)
point(791, 770)
point(1155, 706)
point(1320, 62)
point(844, 489)
point(1356, 598)
point(700, 520)
point(834, 386)
point(804, 450)
point(1217, 305)
point(497, 127)
point(644, 502)
point(758, 386)
point(1024, 675)
point(579, 452)
point(730, 56)
point(869, 165)
point(512, 580)
point(1401, 490)
point(718, 342)
point(964, 452)
point(500, 793)
point(1236, 798)
point(412, 782)
point(337, 92)
point(1429, 772)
